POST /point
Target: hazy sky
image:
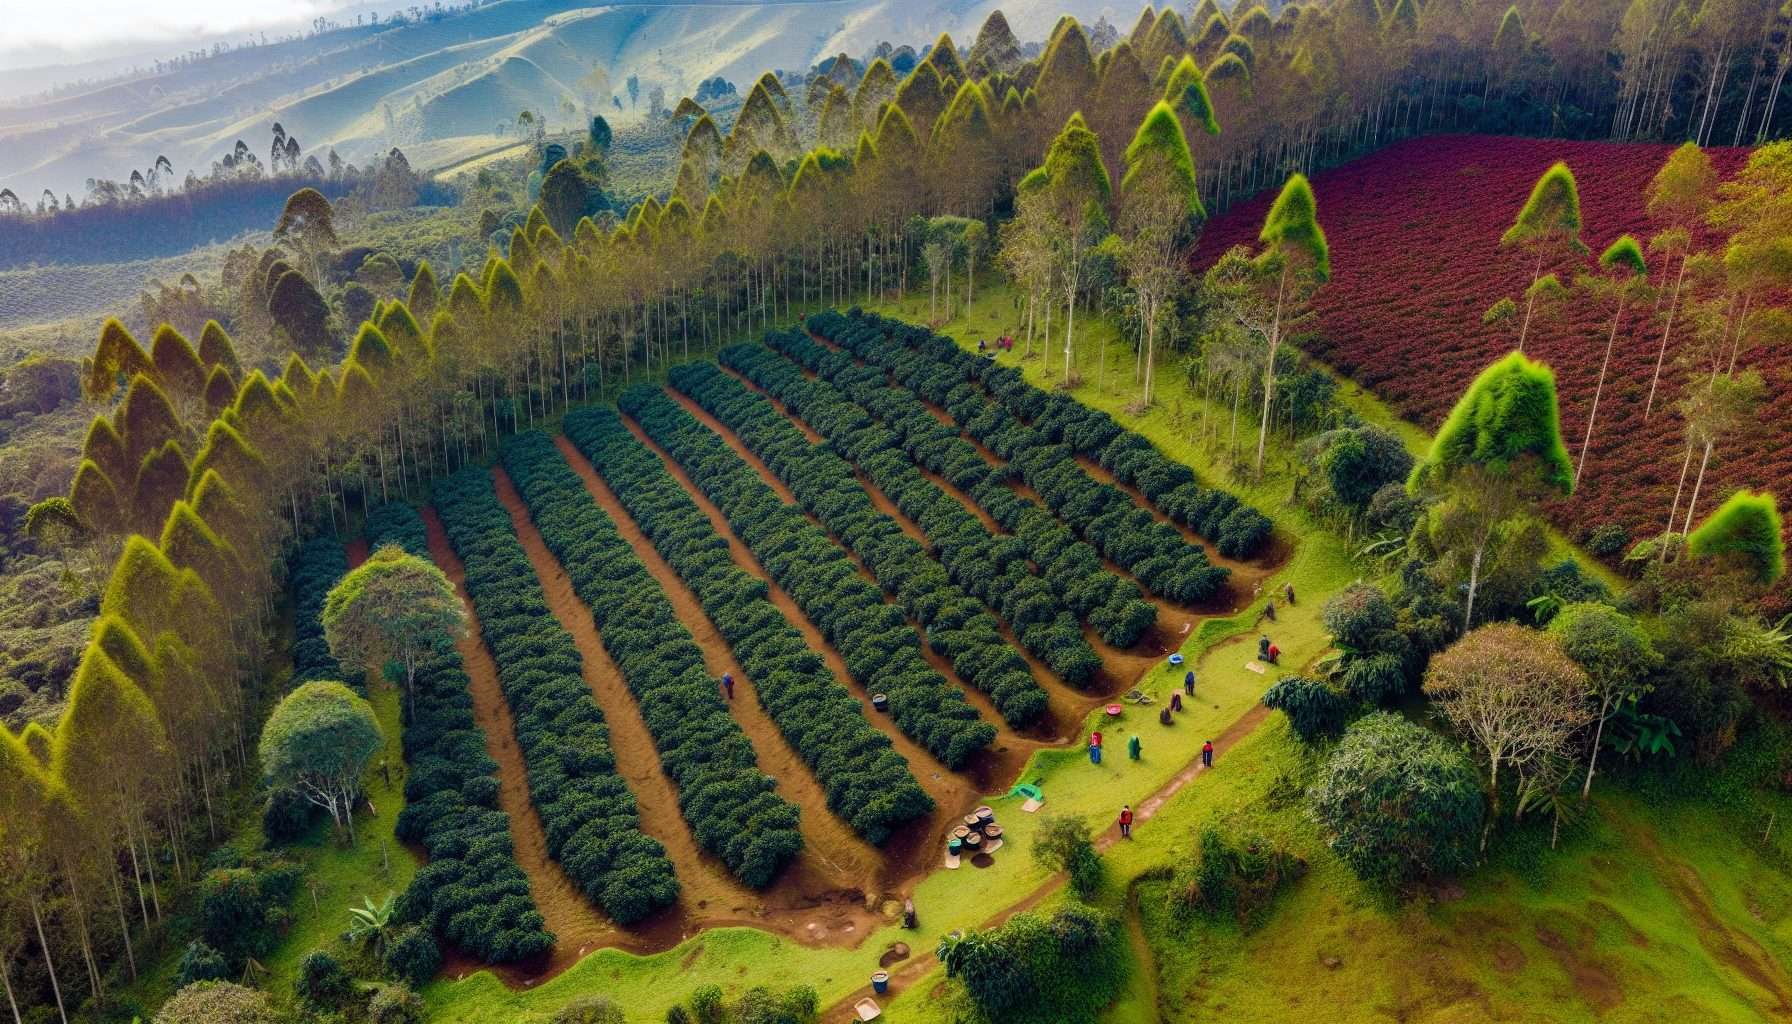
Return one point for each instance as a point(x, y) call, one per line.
point(42, 32)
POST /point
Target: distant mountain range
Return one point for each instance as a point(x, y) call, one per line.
point(442, 89)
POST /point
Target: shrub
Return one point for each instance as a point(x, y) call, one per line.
point(988, 566)
point(323, 982)
point(200, 962)
point(1399, 802)
point(1237, 874)
point(471, 892)
point(936, 367)
point(1044, 454)
point(733, 807)
point(286, 816)
point(217, 1002)
point(316, 566)
point(1063, 844)
point(678, 1015)
point(707, 1004)
point(1375, 679)
point(395, 1004)
point(413, 957)
point(825, 485)
point(589, 1010)
point(1315, 711)
point(1038, 969)
point(1608, 540)
point(1356, 615)
point(240, 908)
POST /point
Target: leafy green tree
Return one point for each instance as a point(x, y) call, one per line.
point(308, 221)
point(1499, 450)
point(323, 983)
point(1548, 225)
point(1617, 656)
point(1398, 803)
point(318, 741)
point(1160, 212)
point(1746, 532)
point(1315, 711)
point(393, 607)
point(1626, 274)
point(1074, 186)
point(296, 307)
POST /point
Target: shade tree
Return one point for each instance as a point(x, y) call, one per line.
point(318, 741)
point(1547, 227)
point(1499, 451)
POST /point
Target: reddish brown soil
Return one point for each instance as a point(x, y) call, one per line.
point(576, 926)
point(356, 552)
point(1735, 948)
point(834, 856)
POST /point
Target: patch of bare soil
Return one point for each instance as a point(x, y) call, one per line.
point(1593, 980)
point(1734, 948)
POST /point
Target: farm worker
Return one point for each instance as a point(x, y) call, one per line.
point(1095, 739)
point(728, 684)
point(1132, 748)
point(982, 346)
point(1207, 754)
point(1263, 646)
point(1175, 702)
point(1269, 610)
point(1126, 821)
point(1275, 654)
point(1289, 591)
point(1188, 683)
point(1094, 754)
point(1163, 716)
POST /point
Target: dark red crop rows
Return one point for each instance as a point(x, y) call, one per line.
point(1414, 232)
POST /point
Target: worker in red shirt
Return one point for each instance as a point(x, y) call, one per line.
point(1207, 754)
point(1126, 821)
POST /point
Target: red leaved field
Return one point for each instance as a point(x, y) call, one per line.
point(1416, 263)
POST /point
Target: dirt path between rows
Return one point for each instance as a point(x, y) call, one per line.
point(834, 857)
point(925, 961)
point(702, 878)
point(576, 927)
point(1011, 745)
point(907, 854)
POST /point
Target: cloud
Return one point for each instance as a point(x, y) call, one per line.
point(43, 32)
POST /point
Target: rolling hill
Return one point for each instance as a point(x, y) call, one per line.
point(361, 90)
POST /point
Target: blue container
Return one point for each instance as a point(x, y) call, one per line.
point(880, 982)
point(1176, 659)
